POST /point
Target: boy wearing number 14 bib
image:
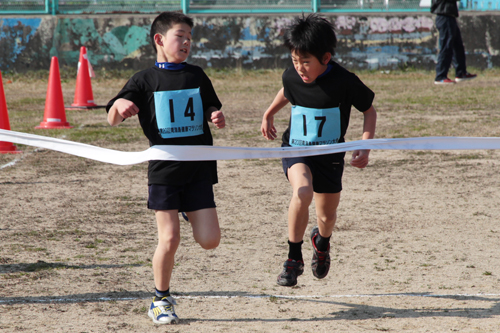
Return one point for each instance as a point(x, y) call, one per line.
point(174, 102)
point(321, 93)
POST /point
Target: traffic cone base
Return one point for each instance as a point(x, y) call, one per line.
point(53, 124)
point(89, 103)
point(8, 148)
point(86, 107)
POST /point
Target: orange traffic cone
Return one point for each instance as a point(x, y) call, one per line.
point(5, 147)
point(84, 98)
point(54, 115)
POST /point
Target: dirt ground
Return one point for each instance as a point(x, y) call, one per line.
point(415, 248)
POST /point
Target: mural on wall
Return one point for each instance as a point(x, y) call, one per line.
point(116, 42)
point(245, 42)
point(387, 42)
point(364, 42)
point(15, 35)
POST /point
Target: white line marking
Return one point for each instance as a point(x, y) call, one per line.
point(20, 158)
point(106, 299)
point(12, 163)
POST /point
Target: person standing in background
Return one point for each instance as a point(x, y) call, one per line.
point(451, 47)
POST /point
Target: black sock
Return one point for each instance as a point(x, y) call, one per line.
point(295, 250)
point(160, 294)
point(322, 242)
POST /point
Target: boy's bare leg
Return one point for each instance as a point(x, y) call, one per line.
point(168, 241)
point(326, 211)
point(300, 177)
point(205, 224)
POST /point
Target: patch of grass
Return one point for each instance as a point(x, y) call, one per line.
point(140, 310)
point(246, 135)
point(26, 102)
point(129, 249)
point(106, 134)
point(12, 276)
point(27, 248)
point(445, 288)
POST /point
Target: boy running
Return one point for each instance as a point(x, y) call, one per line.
point(174, 102)
point(321, 93)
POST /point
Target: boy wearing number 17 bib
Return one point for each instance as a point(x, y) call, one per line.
point(321, 93)
point(174, 102)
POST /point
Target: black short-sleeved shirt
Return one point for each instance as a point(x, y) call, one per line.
point(164, 87)
point(338, 88)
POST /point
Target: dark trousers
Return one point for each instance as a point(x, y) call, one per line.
point(451, 48)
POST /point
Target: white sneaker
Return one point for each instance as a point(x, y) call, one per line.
point(162, 312)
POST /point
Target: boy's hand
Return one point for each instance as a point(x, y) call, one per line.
point(267, 128)
point(218, 119)
point(126, 108)
point(360, 158)
point(121, 109)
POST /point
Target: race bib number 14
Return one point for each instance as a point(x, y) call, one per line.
point(179, 113)
point(314, 127)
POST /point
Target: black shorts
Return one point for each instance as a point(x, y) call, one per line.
point(186, 198)
point(326, 171)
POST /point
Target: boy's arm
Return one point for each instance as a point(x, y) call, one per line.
point(216, 116)
point(121, 109)
point(267, 128)
point(360, 157)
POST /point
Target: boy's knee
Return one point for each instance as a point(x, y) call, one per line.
point(169, 242)
point(209, 244)
point(327, 218)
point(304, 195)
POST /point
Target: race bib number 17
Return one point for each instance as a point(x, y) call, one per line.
point(179, 113)
point(314, 127)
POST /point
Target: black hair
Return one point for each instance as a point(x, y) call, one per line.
point(165, 21)
point(312, 34)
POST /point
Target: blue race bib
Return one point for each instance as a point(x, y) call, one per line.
point(314, 127)
point(179, 113)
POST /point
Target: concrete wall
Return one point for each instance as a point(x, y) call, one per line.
point(376, 41)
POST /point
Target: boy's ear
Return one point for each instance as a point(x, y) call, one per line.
point(326, 58)
point(159, 39)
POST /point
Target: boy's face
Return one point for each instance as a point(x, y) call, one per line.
point(308, 66)
point(175, 45)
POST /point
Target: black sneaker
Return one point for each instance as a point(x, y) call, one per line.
point(321, 260)
point(292, 269)
point(467, 76)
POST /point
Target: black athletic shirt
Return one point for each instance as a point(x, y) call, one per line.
point(140, 90)
point(338, 88)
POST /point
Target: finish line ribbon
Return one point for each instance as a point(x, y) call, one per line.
point(209, 153)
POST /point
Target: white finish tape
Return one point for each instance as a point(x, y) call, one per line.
point(207, 153)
